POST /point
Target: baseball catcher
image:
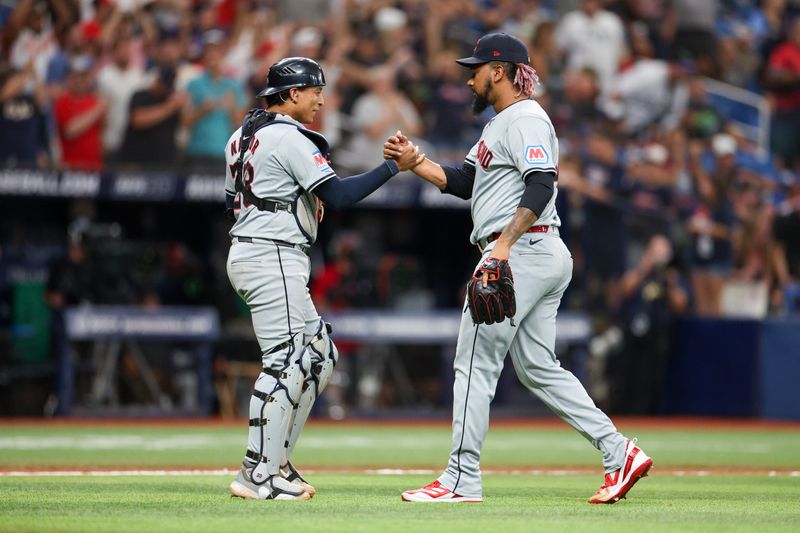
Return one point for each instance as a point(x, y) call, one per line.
point(277, 175)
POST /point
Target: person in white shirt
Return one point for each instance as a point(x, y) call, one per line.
point(117, 81)
point(592, 37)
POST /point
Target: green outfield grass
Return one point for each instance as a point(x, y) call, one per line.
point(374, 446)
point(665, 501)
point(372, 503)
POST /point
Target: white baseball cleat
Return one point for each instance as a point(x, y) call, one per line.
point(291, 474)
point(436, 493)
point(617, 484)
point(275, 488)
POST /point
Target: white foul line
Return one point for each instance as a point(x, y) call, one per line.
point(378, 472)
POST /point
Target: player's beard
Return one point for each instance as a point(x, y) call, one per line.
point(481, 100)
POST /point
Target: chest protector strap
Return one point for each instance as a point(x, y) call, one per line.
point(253, 121)
point(307, 208)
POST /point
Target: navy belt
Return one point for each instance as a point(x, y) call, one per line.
point(257, 240)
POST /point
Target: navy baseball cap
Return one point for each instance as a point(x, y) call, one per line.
point(497, 47)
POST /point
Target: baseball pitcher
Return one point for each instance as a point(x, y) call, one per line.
point(511, 176)
point(277, 178)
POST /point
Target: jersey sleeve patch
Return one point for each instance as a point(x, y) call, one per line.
point(535, 154)
point(321, 162)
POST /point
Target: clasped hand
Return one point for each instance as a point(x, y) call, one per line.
point(405, 153)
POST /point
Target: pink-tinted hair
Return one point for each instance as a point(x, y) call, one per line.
point(526, 79)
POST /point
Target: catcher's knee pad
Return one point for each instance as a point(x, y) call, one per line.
point(289, 363)
point(324, 356)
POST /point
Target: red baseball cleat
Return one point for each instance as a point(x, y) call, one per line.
point(436, 493)
point(618, 483)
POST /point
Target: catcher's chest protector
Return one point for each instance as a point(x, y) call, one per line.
point(305, 207)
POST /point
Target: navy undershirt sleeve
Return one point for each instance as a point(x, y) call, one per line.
point(343, 192)
point(459, 181)
point(539, 188)
point(229, 201)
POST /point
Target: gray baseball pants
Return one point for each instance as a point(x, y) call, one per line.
point(542, 268)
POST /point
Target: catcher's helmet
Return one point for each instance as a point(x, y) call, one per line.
point(293, 72)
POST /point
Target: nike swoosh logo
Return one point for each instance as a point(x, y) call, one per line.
point(532, 242)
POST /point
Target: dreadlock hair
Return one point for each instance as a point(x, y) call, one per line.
point(523, 76)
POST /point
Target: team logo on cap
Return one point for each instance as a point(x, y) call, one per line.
point(536, 155)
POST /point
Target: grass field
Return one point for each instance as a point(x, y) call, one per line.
point(537, 478)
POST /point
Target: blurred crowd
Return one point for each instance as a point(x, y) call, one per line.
point(673, 202)
point(161, 84)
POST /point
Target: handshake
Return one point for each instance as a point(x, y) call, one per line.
point(405, 153)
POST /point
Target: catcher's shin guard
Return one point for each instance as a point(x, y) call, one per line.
point(324, 356)
point(274, 398)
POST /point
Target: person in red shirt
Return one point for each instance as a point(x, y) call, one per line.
point(79, 112)
point(783, 79)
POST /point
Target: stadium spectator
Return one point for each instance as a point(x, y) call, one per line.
point(701, 120)
point(758, 257)
point(169, 51)
point(363, 54)
point(652, 170)
point(150, 139)
point(786, 228)
point(712, 222)
point(79, 113)
point(546, 58)
point(578, 113)
point(783, 79)
point(28, 35)
point(694, 38)
point(591, 37)
point(117, 81)
point(72, 43)
point(216, 105)
point(603, 186)
point(525, 20)
point(308, 42)
point(647, 91)
point(446, 114)
point(376, 115)
point(768, 26)
point(23, 133)
point(738, 61)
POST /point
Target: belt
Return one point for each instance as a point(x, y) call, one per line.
point(251, 240)
point(483, 243)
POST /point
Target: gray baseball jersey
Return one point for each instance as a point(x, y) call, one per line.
point(280, 164)
point(518, 140)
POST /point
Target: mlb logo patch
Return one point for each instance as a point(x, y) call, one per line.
point(536, 155)
point(320, 161)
